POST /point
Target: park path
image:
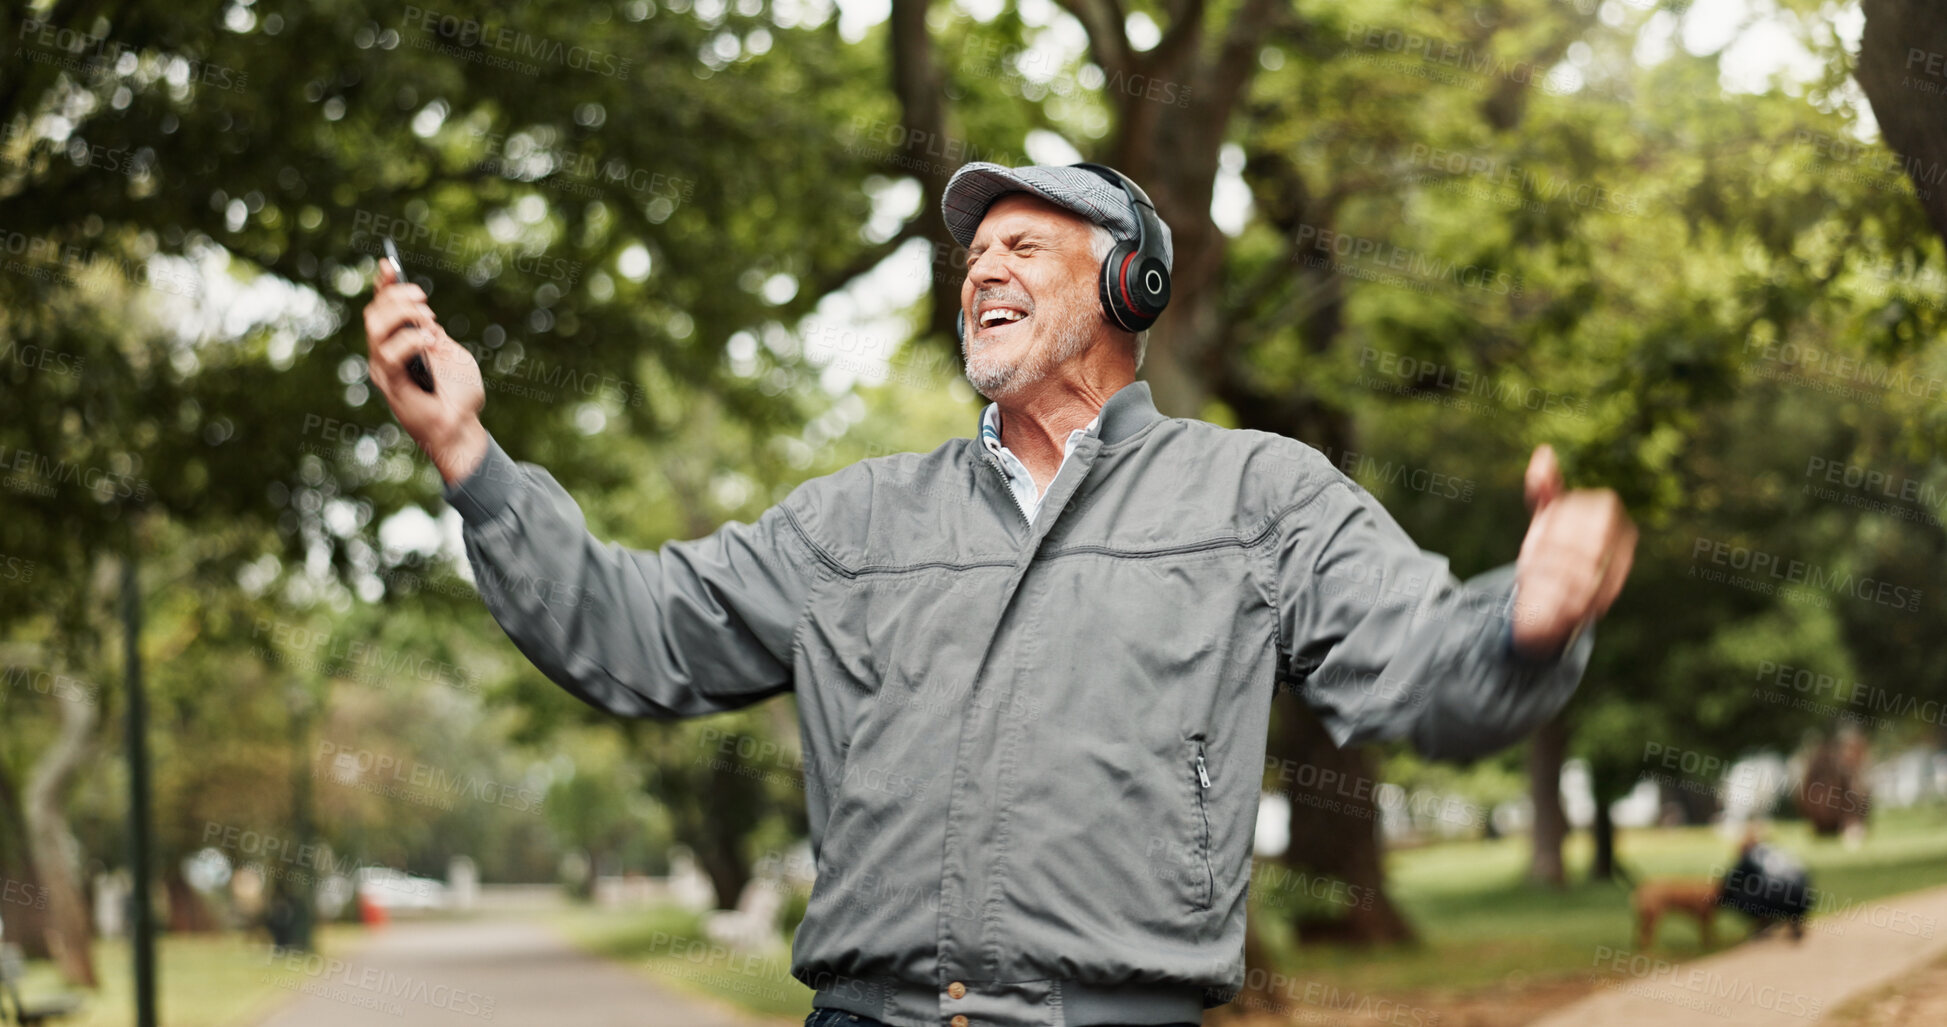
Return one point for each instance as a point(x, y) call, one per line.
point(483, 972)
point(1769, 982)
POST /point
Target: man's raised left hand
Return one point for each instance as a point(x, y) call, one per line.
point(1573, 562)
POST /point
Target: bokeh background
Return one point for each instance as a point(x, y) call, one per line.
point(695, 247)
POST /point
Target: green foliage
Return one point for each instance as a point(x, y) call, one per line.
point(630, 238)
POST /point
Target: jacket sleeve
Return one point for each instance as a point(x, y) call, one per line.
point(1386, 643)
point(697, 627)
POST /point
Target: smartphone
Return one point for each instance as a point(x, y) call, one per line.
point(416, 368)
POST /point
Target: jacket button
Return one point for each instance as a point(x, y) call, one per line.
point(957, 990)
point(958, 1021)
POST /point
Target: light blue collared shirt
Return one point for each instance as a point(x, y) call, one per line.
point(1026, 494)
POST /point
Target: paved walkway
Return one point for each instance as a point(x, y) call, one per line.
point(520, 972)
point(1770, 982)
point(481, 972)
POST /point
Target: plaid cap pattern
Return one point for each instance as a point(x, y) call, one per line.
point(977, 184)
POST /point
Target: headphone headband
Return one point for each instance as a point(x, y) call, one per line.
point(1139, 201)
point(1135, 283)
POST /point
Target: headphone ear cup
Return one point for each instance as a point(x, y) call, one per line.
point(1149, 284)
point(1134, 288)
point(960, 327)
point(1109, 284)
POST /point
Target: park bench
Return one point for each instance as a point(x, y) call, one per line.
point(14, 1009)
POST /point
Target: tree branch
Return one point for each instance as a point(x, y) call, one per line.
point(1236, 61)
point(1186, 27)
point(1108, 40)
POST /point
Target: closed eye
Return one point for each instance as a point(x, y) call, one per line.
point(1017, 245)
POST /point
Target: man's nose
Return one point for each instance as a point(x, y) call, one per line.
point(987, 268)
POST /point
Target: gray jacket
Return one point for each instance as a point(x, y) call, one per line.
point(1035, 751)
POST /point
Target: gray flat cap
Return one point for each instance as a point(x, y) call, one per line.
point(979, 183)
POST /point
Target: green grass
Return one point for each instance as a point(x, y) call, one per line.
point(202, 980)
point(668, 945)
point(1481, 925)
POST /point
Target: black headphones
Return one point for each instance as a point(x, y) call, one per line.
point(1135, 281)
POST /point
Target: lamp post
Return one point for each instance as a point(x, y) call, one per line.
point(301, 893)
point(141, 924)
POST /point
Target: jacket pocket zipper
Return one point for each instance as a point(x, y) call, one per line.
point(1203, 811)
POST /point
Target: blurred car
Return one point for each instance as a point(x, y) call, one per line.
point(396, 891)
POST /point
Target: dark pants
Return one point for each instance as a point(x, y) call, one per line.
point(841, 1018)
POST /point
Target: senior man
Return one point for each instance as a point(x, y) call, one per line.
point(1033, 667)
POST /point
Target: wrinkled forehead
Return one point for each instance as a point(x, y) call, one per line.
point(1021, 212)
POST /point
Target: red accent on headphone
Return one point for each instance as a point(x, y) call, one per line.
point(1122, 282)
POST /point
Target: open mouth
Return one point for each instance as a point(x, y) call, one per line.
point(1001, 319)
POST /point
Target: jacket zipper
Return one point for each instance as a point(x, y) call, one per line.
point(1203, 809)
point(1013, 500)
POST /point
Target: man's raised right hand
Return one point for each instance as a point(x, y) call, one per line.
point(445, 422)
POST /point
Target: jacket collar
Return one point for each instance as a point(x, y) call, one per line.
point(1127, 412)
point(1124, 414)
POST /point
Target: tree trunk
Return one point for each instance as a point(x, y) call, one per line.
point(1902, 73)
point(1335, 834)
point(27, 918)
point(1602, 866)
point(718, 857)
point(188, 913)
point(55, 854)
point(1545, 754)
point(1692, 806)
